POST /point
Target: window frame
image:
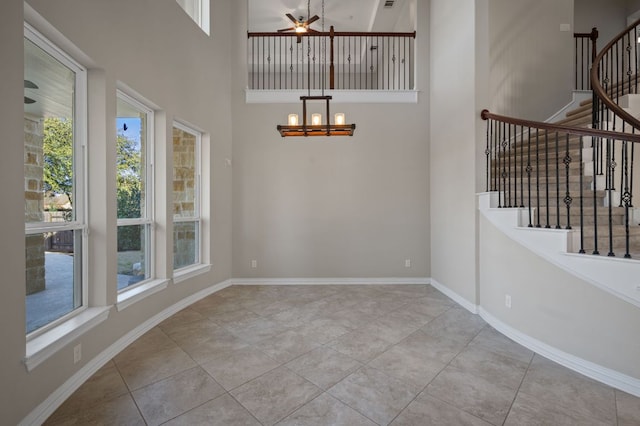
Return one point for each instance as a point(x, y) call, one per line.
point(80, 183)
point(148, 221)
point(197, 218)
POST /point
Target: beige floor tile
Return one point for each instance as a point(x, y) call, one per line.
point(431, 411)
point(428, 306)
point(232, 317)
point(439, 348)
point(553, 384)
point(360, 346)
point(323, 366)
point(256, 330)
point(275, 395)
point(456, 323)
point(374, 394)
point(120, 411)
point(628, 407)
point(104, 385)
point(212, 345)
point(407, 366)
point(502, 370)
point(493, 341)
point(355, 325)
point(178, 320)
point(140, 372)
point(391, 328)
point(235, 368)
point(288, 345)
point(323, 411)
point(531, 411)
point(195, 330)
point(176, 395)
point(152, 341)
point(323, 330)
point(351, 318)
point(477, 396)
point(222, 411)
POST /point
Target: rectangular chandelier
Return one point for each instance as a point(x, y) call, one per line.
point(316, 128)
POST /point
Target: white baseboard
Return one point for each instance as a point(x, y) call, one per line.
point(49, 405)
point(597, 372)
point(455, 296)
point(329, 281)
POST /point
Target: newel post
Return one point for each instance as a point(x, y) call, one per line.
point(594, 39)
point(331, 66)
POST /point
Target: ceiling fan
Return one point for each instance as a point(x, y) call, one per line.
point(28, 84)
point(300, 26)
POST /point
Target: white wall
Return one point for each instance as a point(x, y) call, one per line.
point(555, 307)
point(157, 50)
point(531, 59)
point(330, 207)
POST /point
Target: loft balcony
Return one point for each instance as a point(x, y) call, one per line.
point(349, 66)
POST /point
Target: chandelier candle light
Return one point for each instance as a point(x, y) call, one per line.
point(316, 128)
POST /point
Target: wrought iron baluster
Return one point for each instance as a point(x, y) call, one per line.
point(557, 143)
point(521, 166)
point(609, 179)
point(595, 143)
point(509, 164)
point(626, 197)
point(529, 170)
point(567, 198)
point(581, 196)
point(538, 178)
point(546, 172)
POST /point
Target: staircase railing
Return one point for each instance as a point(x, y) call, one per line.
point(332, 60)
point(586, 51)
point(548, 170)
point(614, 75)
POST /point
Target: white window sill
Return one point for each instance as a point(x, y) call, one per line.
point(137, 293)
point(339, 96)
point(42, 347)
point(190, 272)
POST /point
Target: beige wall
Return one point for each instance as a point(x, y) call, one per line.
point(555, 307)
point(331, 207)
point(531, 59)
point(609, 17)
point(160, 53)
point(455, 120)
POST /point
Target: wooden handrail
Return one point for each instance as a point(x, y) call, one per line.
point(578, 131)
point(329, 34)
point(597, 88)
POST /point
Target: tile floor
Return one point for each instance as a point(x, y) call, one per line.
point(336, 355)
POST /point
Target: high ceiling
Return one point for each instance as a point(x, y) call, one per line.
point(344, 15)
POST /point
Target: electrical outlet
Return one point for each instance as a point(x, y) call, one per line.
point(507, 301)
point(77, 353)
point(254, 263)
point(407, 263)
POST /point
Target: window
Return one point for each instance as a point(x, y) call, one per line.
point(54, 182)
point(134, 161)
point(198, 10)
point(186, 197)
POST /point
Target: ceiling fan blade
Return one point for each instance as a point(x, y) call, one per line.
point(28, 84)
point(311, 20)
point(294, 20)
point(29, 100)
point(284, 30)
point(311, 30)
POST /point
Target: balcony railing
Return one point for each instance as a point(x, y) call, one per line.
point(331, 60)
